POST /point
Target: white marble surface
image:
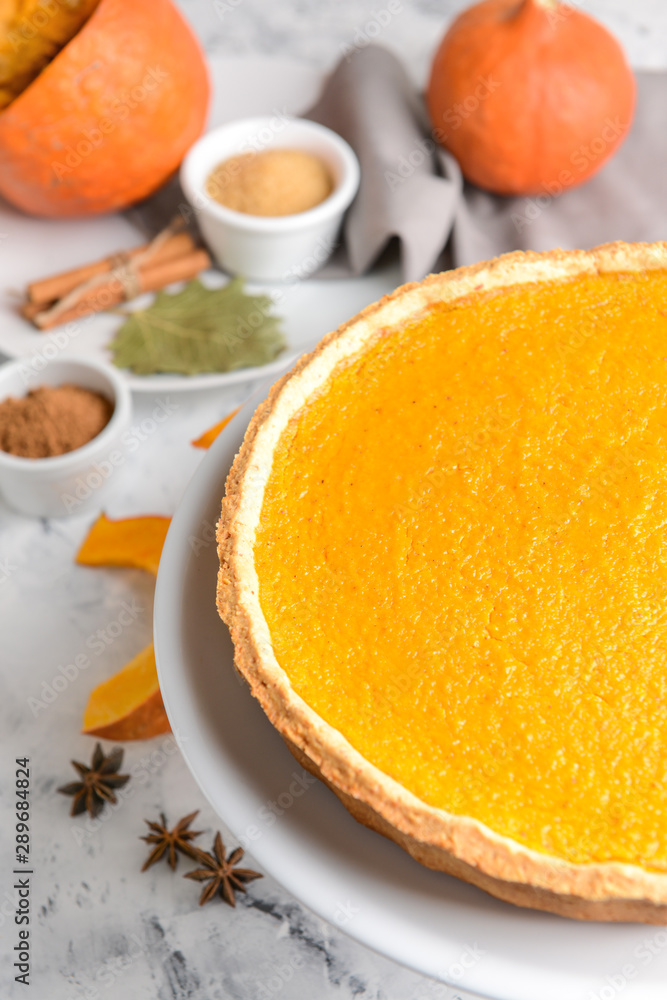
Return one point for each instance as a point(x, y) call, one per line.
point(99, 929)
point(317, 31)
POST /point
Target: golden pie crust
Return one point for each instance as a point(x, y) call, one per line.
point(459, 845)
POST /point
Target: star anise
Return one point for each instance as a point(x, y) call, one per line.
point(97, 782)
point(170, 842)
point(221, 874)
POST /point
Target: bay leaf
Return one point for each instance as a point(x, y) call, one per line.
point(199, 330)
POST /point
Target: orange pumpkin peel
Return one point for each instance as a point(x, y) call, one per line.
point(132, 541)
point(128, 706)
point(206, 439)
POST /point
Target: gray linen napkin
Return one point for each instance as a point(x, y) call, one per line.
point(370, 101)
point(411, 189)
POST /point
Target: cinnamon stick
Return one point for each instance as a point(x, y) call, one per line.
point(151, 277)
point(47, 290)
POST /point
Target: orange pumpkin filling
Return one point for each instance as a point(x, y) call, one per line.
point(462, 561)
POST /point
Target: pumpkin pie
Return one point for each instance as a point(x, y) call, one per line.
point(444, 567)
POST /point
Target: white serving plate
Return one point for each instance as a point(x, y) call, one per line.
point(345, 873)
point(32, 248)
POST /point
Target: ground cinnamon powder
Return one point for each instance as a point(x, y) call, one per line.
point(52, 420)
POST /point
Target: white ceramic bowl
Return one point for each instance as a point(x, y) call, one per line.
point(270, 248)
point(74, 482)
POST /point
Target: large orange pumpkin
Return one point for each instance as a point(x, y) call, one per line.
point(531, 96)
point(107, 121)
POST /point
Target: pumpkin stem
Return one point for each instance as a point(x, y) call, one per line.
point(539, 10)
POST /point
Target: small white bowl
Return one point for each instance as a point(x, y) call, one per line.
point(74, 482)
point(270, 248)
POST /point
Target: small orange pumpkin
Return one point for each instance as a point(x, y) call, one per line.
point(530, 96)
point(110, 117)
